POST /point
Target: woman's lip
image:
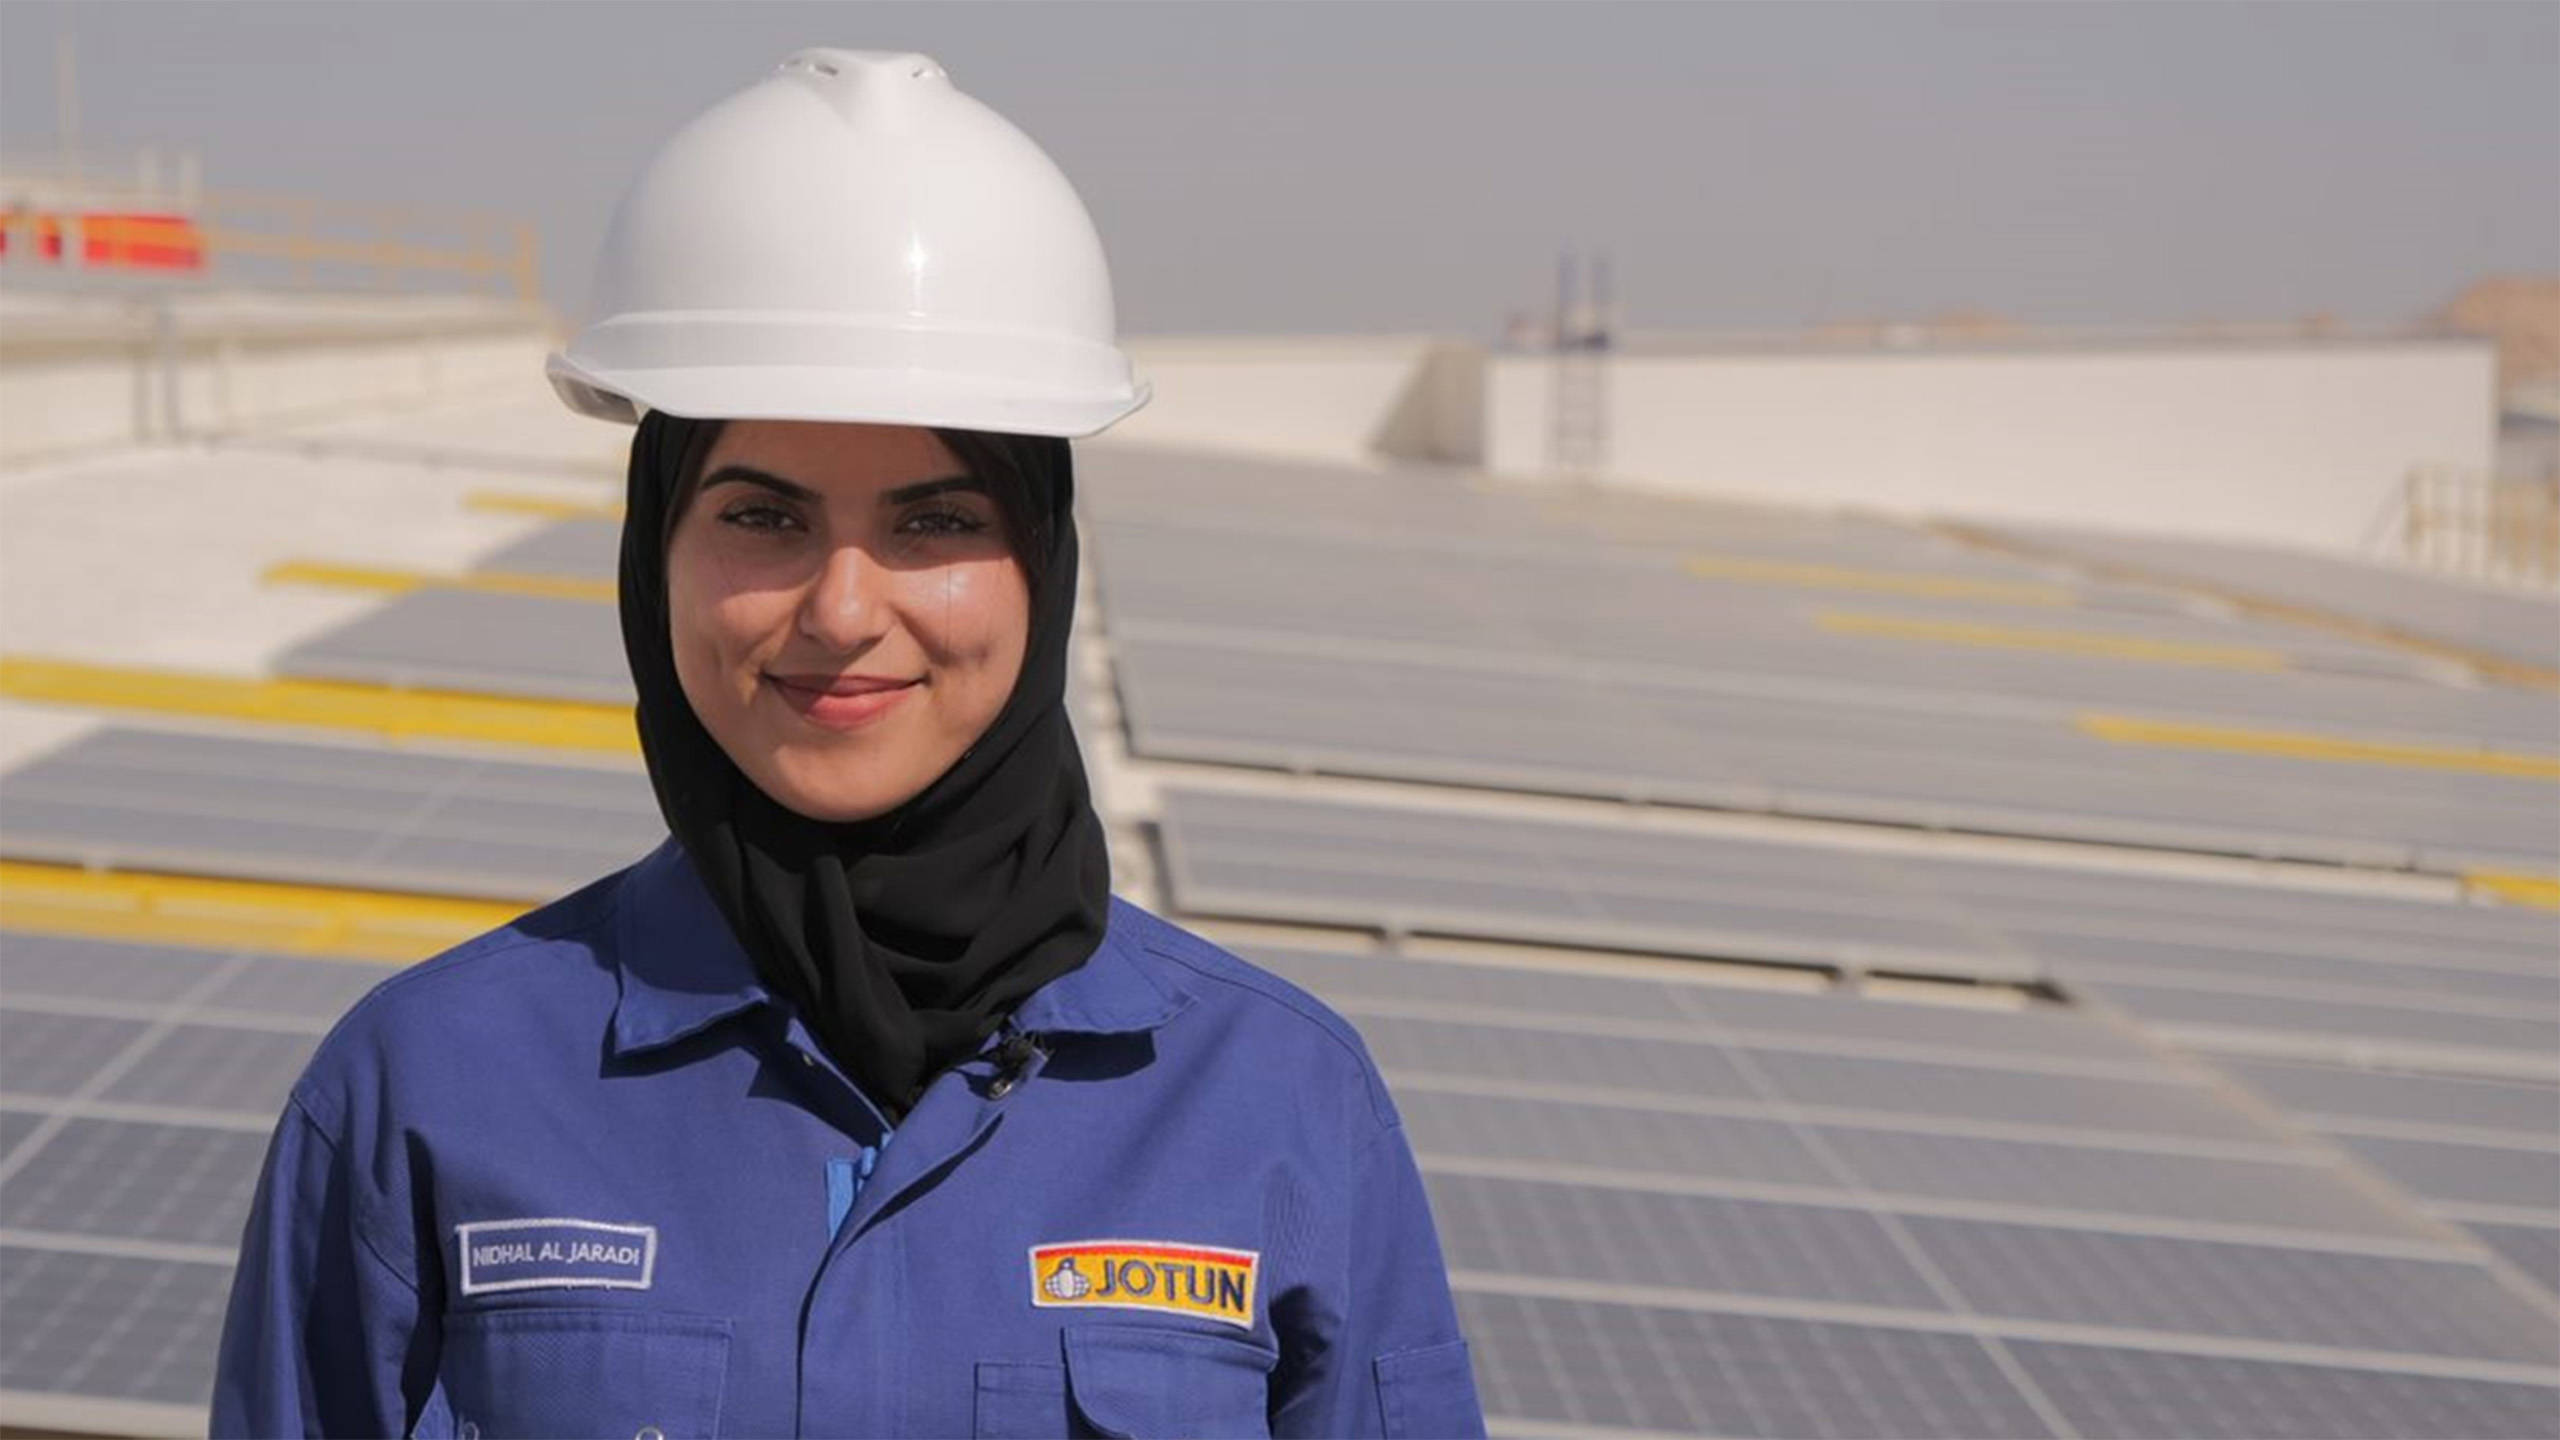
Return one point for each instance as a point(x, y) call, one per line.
point(840, 684)
point(834, 711)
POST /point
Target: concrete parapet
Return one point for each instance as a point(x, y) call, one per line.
point(1352, 399)
point(2294, 443)
point(89, 371)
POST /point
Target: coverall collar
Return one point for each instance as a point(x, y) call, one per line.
point(682, 969)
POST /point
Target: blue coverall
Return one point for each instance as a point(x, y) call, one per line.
point(585, 1176)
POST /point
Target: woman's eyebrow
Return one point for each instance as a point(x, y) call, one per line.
point(750, 475)
point(923, 488)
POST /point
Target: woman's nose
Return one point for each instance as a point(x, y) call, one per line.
point(846, 608)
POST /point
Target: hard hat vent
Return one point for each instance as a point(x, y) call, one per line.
point(832, 64)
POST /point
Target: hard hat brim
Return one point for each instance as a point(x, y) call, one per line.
point(834, 393)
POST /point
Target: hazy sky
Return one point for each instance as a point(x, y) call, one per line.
point(1342, 166)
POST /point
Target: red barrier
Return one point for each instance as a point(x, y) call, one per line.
point(114, 242)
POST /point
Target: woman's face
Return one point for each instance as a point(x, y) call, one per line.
point(846, 610)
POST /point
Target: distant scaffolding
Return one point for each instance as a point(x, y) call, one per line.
point(1578, 422)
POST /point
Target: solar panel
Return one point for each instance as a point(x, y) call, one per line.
point(2163, 1106)
point(2350, 1029)
point(383, 819)
point(68, 967)
point(1913, 1029)
point(2261, 1292)
point(2243, 968)
point(112, 1325)
point(2274, 1193)
point(477, 642)
point(2526, 1179)
point(1396, 869)
point(178, 1183)
point(1710, 1244)
point(2509, 622)
point(2017, 772)
point(1531, 993)
point(1285, 859)
point(54, 1055)
point(2283, 919)
point(2533, 1249)
point(580, 549)
point(217, 1067)
point(2118, 1394)
point(1599, 607)
point(122, 1225)
point(2331, 1092)
point(291, 993)
point(1627, 1064)
point(1573, 1362)
point(1613, 1137)
point(15, 1126)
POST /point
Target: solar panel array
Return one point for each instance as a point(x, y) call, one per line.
point(2209, 1153)
point(2512, 623)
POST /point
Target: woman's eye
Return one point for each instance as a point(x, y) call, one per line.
point(944, 522)
point(757, 517)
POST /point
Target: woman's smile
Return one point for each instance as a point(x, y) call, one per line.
point(841, 702)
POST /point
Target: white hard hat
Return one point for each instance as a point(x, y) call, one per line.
point(851, 238)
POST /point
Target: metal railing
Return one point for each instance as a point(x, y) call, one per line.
point(73, 227)
point(2479, 525)
point(312, 240)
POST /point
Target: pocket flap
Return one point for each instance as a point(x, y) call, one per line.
point(1428, 1391)
point(564, 1372)
point(1136, 1382)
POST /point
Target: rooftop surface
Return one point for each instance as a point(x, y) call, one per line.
point(1842, 978)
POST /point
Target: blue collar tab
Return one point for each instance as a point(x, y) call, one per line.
point(682, 969)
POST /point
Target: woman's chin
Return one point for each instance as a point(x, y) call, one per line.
point(827, 797)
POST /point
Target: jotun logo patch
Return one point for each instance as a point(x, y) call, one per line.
point(1178, 1279)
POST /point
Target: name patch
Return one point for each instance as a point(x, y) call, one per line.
point(1177, 1279)
point(537, 1254)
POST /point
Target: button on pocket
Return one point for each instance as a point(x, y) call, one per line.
point(609, 1374)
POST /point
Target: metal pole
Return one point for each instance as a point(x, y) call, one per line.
point(66, 99)
point(171, 358)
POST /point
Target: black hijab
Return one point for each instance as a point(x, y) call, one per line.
point(903, 940)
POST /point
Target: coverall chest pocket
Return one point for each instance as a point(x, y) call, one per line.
point(566, 1372)
point(1131, 1382)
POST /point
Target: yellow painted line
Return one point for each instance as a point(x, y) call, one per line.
point(1890, 582)
point(546, 506)
point(146, 908)
point(2299, 745)
point(381, 710)
point(2069, 642)
point(401, 582)
point(2540, 891)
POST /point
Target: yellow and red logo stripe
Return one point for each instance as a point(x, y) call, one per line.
point(1203, 1280)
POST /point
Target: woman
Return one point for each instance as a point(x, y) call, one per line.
point(860, 1106)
